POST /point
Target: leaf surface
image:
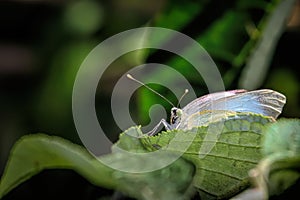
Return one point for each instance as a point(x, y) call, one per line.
point(34, 153)
point(223, 171)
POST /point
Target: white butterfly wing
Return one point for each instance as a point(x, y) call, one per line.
point(266, 102)
point(203, 102)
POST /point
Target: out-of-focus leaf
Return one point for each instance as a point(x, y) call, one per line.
point(53, 105)
point(280, 167)
point(223, 33)
point(84, 17)
point(291, 88)
point(34, 153)
point(217, 39)
point(223, 172)
point(177, 15)
point(283, 136)
point(257, 66)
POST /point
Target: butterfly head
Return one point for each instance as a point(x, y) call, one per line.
point(175, 115)
point(176, 112)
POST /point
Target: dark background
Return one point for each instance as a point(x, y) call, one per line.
point(42, 44)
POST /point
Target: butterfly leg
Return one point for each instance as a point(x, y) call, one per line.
point(162, 121)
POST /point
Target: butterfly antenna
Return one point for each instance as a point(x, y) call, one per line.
point(130, 77)
point(185, 92)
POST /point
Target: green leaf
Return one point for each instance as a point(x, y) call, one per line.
point(220, 173)
point(281, 137)
point(129, 141)
point(224, 170)
point(183, 13)
point(261, 57)
point(217, 39)
point(34, 153)
point(280, 168)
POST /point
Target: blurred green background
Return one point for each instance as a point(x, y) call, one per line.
point(43, 42)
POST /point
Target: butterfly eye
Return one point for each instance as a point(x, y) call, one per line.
point(174, 111)
point(179, 112)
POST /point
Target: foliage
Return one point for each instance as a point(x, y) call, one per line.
point(239, 145)
point(224, 170)
point(240, 35)
point(241, 38)
point(34, 153)
point(279, 169)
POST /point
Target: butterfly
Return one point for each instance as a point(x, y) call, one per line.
point(266, 102)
